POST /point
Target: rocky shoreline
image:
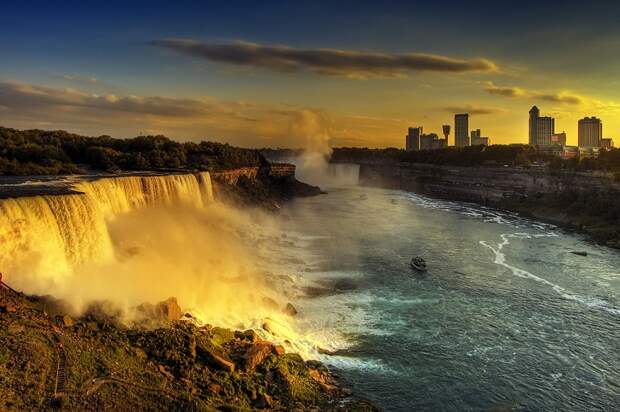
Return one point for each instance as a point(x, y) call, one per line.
point(163, 361)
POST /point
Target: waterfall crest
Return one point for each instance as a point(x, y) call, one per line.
point(50, 235)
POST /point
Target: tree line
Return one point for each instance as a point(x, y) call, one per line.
point(496, 155)
point(41, 152)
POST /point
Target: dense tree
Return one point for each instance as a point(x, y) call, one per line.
point(34, 152)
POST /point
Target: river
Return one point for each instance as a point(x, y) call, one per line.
point(507, 318)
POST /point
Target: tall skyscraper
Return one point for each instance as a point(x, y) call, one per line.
point(540, 128)
point(545, 128)
point(590, 132)
point(412, 140)
point(534, 115)
point(461, 130)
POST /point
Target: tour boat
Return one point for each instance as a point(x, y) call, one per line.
point(418, 264)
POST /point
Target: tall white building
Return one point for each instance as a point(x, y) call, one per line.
point(590, 132)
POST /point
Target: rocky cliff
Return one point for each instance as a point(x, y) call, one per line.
point(587, 202)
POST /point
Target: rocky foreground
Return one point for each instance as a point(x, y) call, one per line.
point(48, 360)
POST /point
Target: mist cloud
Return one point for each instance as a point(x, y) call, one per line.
point(330, 62)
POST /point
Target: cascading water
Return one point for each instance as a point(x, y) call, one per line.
point(47, 236)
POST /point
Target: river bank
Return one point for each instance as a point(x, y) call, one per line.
point(587, 203)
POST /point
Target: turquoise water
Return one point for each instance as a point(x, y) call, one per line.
point(505, 319)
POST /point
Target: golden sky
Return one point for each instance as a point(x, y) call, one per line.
point(254, 76)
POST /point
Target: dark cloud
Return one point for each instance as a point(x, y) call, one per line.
point(25, 96)
point(351, 64)
point(560, 98)
point(504, 91)
point(516, 92)
point(472, 109)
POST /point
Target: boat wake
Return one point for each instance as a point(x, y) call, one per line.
point(500, 259)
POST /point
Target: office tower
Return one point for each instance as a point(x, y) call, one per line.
point(545, 128)
point(412, 140)
point(534, 115)
point(461, 130)
point(590, 132)
point(540, 128)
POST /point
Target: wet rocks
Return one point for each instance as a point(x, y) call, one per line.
point(162, 312)
point(255, 355)
point(249, 335)
point(67, 321)
point(290, 310)
point(168, 310)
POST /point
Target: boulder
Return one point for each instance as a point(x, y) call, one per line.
point(164, 311)
point(214, 356)
point(168, 310)
point(290, 310)
point(249, 335)
point(255, 355)
point(67, 321)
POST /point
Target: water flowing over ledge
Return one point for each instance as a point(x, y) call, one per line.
point(50, 234)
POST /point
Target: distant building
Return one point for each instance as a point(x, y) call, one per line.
point(412, 140)
point(477, 139)
point(432, 142)
point(568, 152)
point(607, 143)
point(590, 132)
point(558, 139)
point(540, 128)
point(446, 131)
point(461, 130)
point(534, 115)
point(545, 128)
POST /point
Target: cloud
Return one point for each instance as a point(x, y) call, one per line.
point(77, 78)
point(237, 122)
point(471, 109)
point(330, 62)
point(563, 97)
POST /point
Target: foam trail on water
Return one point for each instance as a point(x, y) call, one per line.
point(500, 259)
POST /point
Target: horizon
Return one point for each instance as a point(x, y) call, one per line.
point(200, 71)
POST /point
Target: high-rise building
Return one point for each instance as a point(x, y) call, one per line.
point(412, 140)
point(545, 128)
point(540, 128)
point(534, 115)
point(607, 143)
point(461, 130)
point(590, 132)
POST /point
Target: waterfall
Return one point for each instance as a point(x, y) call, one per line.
point(47, 236)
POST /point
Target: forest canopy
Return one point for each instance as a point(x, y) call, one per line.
point(40, 152)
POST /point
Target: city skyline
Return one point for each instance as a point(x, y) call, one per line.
point(179, 70)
